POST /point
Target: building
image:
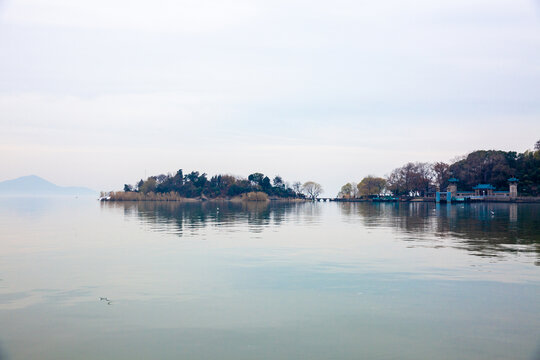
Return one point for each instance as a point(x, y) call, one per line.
point(481, 192)
point(484, 190)
point(513, 187)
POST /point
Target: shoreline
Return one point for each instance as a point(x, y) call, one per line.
point(518, 200)
point(174, 198)
point(261, 197)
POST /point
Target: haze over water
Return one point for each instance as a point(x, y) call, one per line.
point(268, 281)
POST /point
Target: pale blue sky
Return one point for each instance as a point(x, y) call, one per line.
point(95, 93)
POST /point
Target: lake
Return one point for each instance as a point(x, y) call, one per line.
point(268, 281)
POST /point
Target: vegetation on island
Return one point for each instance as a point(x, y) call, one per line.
point(493, 167)
point(194, 185)
point(369, 186)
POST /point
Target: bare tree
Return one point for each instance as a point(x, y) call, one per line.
point(410, 179)
point(354, 193)
point(441, 173)
point(297, 186)
point(312, 189)
point(457, 159)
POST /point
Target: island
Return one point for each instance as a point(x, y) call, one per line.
point(482, 175)
point(195, 186)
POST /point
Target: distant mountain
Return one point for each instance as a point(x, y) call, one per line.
point(33, 185)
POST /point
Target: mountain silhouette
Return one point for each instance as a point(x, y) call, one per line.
point(34, 185)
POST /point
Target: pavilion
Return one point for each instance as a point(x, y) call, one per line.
point(481, 191)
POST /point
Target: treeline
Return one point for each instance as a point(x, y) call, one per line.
point(197, 185)
point(493, 167)
point(369, 186)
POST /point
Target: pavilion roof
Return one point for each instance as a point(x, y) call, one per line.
point(484, 187)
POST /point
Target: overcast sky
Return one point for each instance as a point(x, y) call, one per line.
point(98, 93)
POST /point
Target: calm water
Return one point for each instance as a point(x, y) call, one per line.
point(257, 281)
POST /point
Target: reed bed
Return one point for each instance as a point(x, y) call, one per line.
point(151, 196)
point(255, 196)
point(173, 196)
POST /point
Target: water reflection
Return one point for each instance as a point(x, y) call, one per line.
point(181, 217)
point(484, 229)
point(322, 281)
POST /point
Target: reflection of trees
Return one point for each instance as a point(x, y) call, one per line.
point(412, 217)
point(179, 217)
point(486, 229)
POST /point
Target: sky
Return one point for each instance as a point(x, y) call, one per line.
point(101, 93)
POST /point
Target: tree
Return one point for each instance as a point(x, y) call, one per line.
point(312, 189)
point(278, 182)
point(297, 186)
point(354, 193)
point(140, 184)
point(149, 185)
point(346, 191)
point(161, 178)
point(441, 173)
point(485, 167)
point(410, 179)
point(195, 184)
point(528, 172)
point(239, 187)
point(537, 146)
point(265, 184)
point(178, 179)
point(201, 181)
point(192, 177)
point(371, 185)
point(256, 178)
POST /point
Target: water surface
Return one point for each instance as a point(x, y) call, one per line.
point(268, 281)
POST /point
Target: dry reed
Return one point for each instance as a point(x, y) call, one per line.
point(151, 196)
point(255, 196)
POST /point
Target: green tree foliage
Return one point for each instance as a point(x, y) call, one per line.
point(371, 185)
point(195, 184)
point(149, 185)
point(493, 167)
point(278, 182)
point(485, 167)
point(528, 172)
point(346, 191)
point(256, 178)
point(266, 185)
